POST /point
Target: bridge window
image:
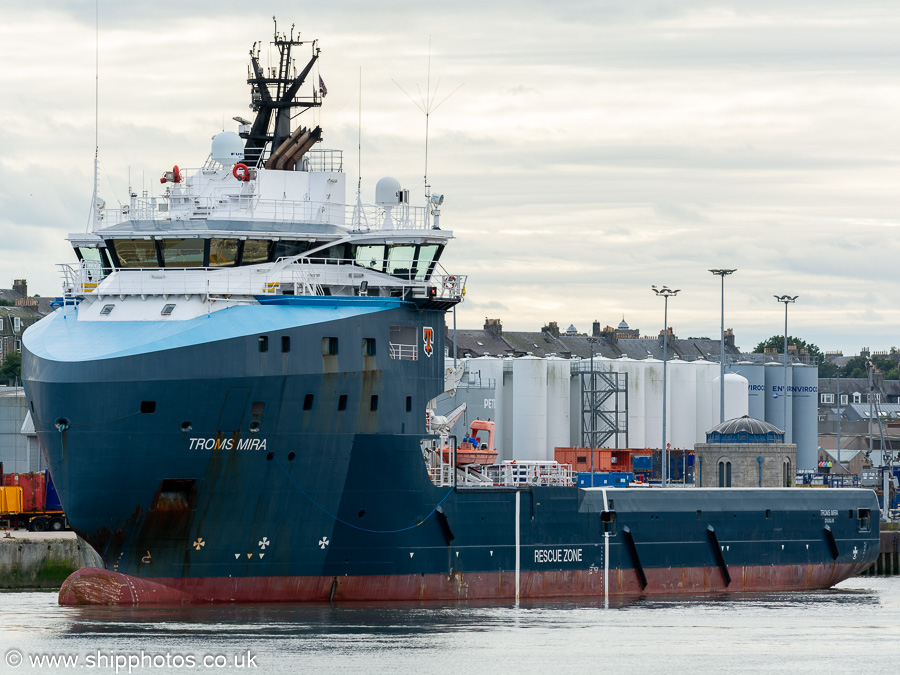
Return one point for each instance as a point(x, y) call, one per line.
point(371, 257)
point(288, 249)
point(96, 261)
point(182, 252)
point(135, 253)
point(223, 252)
point(255, 251)
point(400, 260)
point(428, 255)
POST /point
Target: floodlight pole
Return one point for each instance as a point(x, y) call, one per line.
point(786, 299)
point(723, 274)
point(665, 292)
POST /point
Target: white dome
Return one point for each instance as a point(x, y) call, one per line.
point(387, 191)
point(227, 148)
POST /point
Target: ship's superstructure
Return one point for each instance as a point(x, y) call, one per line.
point(234, 398)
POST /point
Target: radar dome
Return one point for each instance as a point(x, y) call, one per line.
point(227, 148)
point(387, 191)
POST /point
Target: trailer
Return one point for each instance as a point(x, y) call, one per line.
point(39, 508)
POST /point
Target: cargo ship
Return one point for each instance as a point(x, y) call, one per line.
point(235, 399)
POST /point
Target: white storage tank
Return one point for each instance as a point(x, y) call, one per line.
point(777, 412)
point(486, 373)
point(756, 386)
point(653, 387)
point(682, 404)
point(529, 402)
point(706, 374)
point(636, 372)
point(506, 412)
point(804, 398)
point(559, 376)
point(736, 396)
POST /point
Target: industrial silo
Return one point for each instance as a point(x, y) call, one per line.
point(736, 396)
point(682, 404)
point(559, 376)
point(506, 411)
point(653, 388)
point(485, 379)
point(529, 415)
point(756, 386)
point(777, 412)
point(706, 373)
point(636, 374)
point(804, 397)
point(575, 401)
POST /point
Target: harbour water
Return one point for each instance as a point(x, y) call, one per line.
point(852, 628)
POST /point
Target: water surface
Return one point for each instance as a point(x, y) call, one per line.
point(852, 628)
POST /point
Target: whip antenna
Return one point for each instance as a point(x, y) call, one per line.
point(427, 105)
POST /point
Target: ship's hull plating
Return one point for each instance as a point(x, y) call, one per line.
point(206, 469)
point(92, 586)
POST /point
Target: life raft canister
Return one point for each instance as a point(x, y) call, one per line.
point(241, 172)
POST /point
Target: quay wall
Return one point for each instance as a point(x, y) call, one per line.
point(888, 561)
point(42, 559)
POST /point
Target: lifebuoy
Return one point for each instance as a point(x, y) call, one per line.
point(450, 282)
point(241, 172)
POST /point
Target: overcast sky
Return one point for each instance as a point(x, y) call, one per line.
point(594, 148)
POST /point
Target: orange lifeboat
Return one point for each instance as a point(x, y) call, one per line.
point(471, 450)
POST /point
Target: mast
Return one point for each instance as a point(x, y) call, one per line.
point(275, 94)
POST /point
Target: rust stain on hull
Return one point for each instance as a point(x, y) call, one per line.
point(93, 586)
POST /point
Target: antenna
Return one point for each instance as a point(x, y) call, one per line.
point(92, 219)
point(359, 214)
point(428, 106)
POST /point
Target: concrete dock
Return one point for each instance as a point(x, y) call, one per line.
point(888, 562)
point(41, 559)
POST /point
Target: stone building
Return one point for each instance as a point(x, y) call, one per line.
point(18, 311)
point(745, 452)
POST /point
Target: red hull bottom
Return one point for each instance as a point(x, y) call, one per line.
point(93, 586)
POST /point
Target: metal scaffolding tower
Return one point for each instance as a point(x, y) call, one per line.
point(604, 408)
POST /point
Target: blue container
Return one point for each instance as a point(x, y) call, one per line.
point(615, 479)
point(642, 462)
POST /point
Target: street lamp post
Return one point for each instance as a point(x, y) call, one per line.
point(665, 292)
point(723, 274)
point(786, 299)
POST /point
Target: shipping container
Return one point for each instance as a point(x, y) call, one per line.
point(604, 459)
point(40, 507)
point(600, 479)
point(34, 489)
point(10, 501)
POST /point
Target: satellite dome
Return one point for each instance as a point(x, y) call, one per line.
point(227, 148)
point(387, 191)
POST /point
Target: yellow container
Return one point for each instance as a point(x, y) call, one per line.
point(10, 500)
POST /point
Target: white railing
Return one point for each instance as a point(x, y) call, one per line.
point(526, 473)
point(404, 352)
point(180, 210)
point(303, 276)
